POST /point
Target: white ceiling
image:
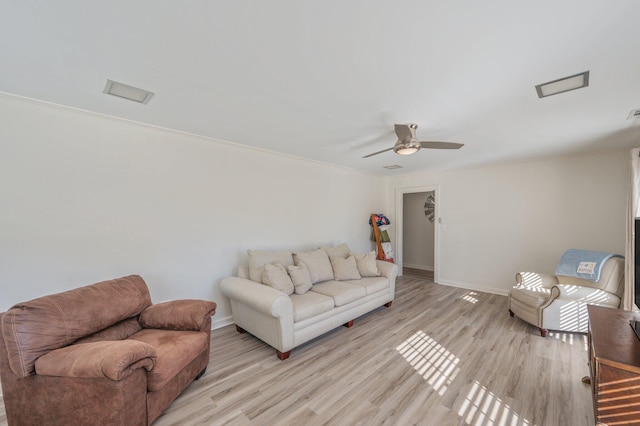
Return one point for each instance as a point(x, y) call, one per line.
point(326, 80)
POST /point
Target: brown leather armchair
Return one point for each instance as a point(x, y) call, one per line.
point(100, 354)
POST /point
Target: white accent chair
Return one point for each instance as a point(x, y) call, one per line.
point(552, 302)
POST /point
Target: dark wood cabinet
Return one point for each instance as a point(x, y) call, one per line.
point(614, 362)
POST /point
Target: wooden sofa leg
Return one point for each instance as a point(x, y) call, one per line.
point(283, 355)
point(543, 332)
point(511, 313)
point(349, 324)
point(240, 329)
point(388, 304)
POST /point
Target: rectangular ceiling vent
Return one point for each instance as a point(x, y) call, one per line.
point(127, 92)
point(393, 167)
point(634, 114)
point(562, 85)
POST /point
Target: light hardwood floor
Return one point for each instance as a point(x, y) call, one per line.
point(438, 356)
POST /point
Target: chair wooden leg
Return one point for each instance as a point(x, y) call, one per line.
point(388, 304)
point(349, 324)
point(543, 332)
point(511, 313)
point(283, 355)
point(240, 329)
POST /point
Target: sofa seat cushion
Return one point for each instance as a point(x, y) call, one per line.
point(175, 350)
point(372, 284)
point(530, 296)
point(310, 304)
point(341, 292)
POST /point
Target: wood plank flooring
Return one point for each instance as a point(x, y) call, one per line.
point(438, 356)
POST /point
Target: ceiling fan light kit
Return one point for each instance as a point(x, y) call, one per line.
point(406, 148)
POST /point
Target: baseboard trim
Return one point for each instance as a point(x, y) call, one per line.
point(492, 290)
point(222, 322)
point(421, 267)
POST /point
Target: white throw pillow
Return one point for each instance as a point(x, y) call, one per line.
point(342, 250)
point(344, 269)
point(300, 277)
point(317, 262)
point(367, 265)
point(275, 275)
point(259, 258)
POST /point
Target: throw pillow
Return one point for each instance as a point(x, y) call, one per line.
point(342, 250)
point(317, 262)
point(275, 275)
point(367, 265)
point(344, 269)
point(300, 277)
point(259, 258)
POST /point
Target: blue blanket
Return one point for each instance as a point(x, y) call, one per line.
point(583, 264)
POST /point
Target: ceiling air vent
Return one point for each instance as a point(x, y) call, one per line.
point(634, 114)
point(127, 92)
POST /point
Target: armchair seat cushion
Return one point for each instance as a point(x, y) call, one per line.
point(175, 350)
point(530, 296)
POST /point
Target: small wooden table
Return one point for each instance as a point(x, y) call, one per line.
point(614, 361)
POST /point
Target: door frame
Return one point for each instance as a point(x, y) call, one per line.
point(400, 226)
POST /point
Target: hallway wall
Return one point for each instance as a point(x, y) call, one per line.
point(418, 238)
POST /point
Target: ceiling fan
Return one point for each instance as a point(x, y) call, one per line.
point(408, 144)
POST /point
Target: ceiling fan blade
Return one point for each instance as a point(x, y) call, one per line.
point(405, 132)
point(441, 145)
point(379, 152)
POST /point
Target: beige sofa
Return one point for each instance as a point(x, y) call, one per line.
point(559, 302)
point(286, 317)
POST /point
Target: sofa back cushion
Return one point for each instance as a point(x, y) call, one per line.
point(318, 264)
point(33, 328)
point(259, 258)
point(119, 331)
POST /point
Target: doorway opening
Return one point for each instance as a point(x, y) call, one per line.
point(416, 234)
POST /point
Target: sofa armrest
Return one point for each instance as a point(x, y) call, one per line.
point(535, 279)
point(387, 269)
point(585, 295)
point(259, 297)
point(113, 360)
point(184, 315)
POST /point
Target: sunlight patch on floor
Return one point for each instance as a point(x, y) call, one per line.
point(431, 360)
point(471, 297)
point(563, 337)
point(483, 407)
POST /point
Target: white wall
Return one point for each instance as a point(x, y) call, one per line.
point(499, 220)
point(418, 232)
point(85, 198)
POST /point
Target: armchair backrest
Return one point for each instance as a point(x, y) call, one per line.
point(611, 277)
point(33, 328)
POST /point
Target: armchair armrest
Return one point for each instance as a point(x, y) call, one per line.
point(113, 360)
point(585, 295)
point(535, 279)
point(259, 297)
point(185, 315)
